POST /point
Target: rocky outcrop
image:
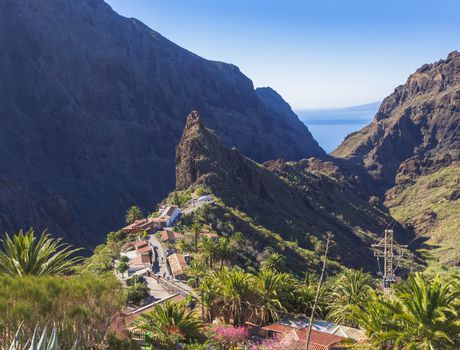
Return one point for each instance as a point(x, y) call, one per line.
point(416, 129)
point(93, 105)
point(412, 151)
point(287, 198)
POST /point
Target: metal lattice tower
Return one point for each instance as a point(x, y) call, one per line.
point(388, 249)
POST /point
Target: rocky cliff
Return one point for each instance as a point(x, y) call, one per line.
point(286, 205)
point(412, 149)
point(93, 105)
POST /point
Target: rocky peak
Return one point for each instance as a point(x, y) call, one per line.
point(429, 79)
point(412, 151)
point(416, 127)
point(197, 150)
point(193, 124)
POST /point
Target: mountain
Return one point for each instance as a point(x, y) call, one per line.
point(284, 205)
point(412, 149)
point(93, 105)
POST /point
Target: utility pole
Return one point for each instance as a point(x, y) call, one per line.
point(388, 249)
point(318, 290)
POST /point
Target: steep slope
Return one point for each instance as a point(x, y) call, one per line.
point(412, 148)
point(288, 206)
point(93, 105)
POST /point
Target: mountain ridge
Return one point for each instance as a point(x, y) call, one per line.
point(92, 113)
point(288, 199)
point(412, 149)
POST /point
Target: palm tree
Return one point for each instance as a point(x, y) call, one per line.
point(206, 296)
point(235, 294)
point(273, 290)
point(421, 315)
point(196, 270)
point(425, 315)
point(374, 318)
point(170, 323)
point(274, 261)
point(25, 254)
point(209, 248)
point(224, 250)
point(182, 246)
point(196, 229)
point(134, 213)
point(350, 287)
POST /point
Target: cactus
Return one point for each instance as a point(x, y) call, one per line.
point(38, 342)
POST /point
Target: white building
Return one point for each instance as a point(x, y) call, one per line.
point(169, 215)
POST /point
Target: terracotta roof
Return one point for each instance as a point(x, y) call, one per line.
point(141, 259)
point(177, 263)
point(212, 235)
point(140, 243)
point(276, 327)
point(169, 235)
point(318, 340)
point(144, 249)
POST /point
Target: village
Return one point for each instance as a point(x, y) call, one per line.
point(154, 261)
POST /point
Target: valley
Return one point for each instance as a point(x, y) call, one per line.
point(151, 198)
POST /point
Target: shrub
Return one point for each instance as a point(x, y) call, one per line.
point(84, 303)
point(229, 336)
point(137, 293)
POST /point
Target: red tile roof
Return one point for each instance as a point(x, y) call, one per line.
point(211, 235)
point(141, 259)
point(318, 340)
point(145, 249)
point(140, 244)
point(178, 264)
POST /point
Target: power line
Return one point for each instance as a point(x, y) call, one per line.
point(388, 249)
point(318, 290)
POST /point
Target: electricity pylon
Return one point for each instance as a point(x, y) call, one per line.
point(388, 249)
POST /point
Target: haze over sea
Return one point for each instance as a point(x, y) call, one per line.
point(329, 126)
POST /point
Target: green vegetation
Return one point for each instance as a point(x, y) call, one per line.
point(25, 254)
point(134, 213)
point(350, 288)
point(422, 314)
point(170, 324)
point(429, 206)
point(38, 341)
point(77, 306)
point(180, 198)
point(137, 293)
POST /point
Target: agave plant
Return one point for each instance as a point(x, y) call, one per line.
point(38, 342)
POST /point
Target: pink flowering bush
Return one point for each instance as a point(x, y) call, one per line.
point(228, 336)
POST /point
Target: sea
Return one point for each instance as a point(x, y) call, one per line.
point(329, 126)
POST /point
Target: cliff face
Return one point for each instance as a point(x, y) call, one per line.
point(288, 198)
point(93, 105)
point(412, 150)
point(416, 128)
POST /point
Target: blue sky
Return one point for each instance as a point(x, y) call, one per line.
point(315, 53)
